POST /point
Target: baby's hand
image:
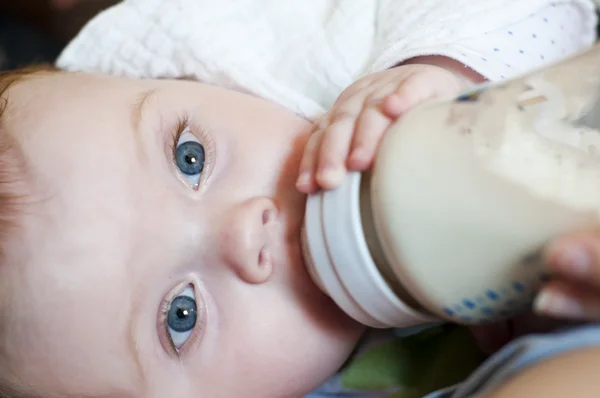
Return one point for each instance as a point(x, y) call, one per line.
point(347, 137)
point(574, 291)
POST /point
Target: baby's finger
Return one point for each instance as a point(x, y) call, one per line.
point(419, 88)
point(355, 90)
point(576, 257)
point(560, 299)
point(409, 94)
point(377, 85)
point(372, 123)
point(306, 179)
point(333, 151)
point(370, 127)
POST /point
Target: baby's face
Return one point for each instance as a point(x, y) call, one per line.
point(161, 254)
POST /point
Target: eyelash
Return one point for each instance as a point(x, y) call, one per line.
point(184, 124)
point(196, 334)
point(180, 128)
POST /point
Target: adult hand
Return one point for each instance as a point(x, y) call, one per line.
point(574, 291)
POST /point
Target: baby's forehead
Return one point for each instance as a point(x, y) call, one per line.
point(9, 78)
point(28, 95)
point(69, 279)
point(15, 184)
point(27, 92)
point(76, 161)
point(40, 277)
point(26, 80)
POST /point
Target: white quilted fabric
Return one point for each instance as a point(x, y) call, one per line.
point(300, 54)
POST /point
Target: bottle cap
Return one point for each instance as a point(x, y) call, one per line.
point(338, 259)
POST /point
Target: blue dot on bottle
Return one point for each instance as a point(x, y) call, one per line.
point(492, 295)
point(469, 304)
point(519, 287)
point(487, 311)
point(448, 311)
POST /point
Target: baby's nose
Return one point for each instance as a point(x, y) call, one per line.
point(246, 240)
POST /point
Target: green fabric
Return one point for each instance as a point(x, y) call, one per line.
point(415, 366)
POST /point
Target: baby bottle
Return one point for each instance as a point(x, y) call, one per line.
point(449, 223)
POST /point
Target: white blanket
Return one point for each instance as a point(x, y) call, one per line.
point(300, 54)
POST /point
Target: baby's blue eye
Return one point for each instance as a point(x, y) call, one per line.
point(189, 157)
point(182, 317)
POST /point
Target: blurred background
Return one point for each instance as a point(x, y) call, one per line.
point(35, 31)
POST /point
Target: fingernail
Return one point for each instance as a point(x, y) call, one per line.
point(303, 179)
point(358, 155)
point(558, 304)
point(574, 260)
point(332, 175)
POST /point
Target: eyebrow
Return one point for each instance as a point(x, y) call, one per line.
point(137, 115)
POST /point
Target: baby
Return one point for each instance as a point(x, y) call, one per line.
point(149, 229)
